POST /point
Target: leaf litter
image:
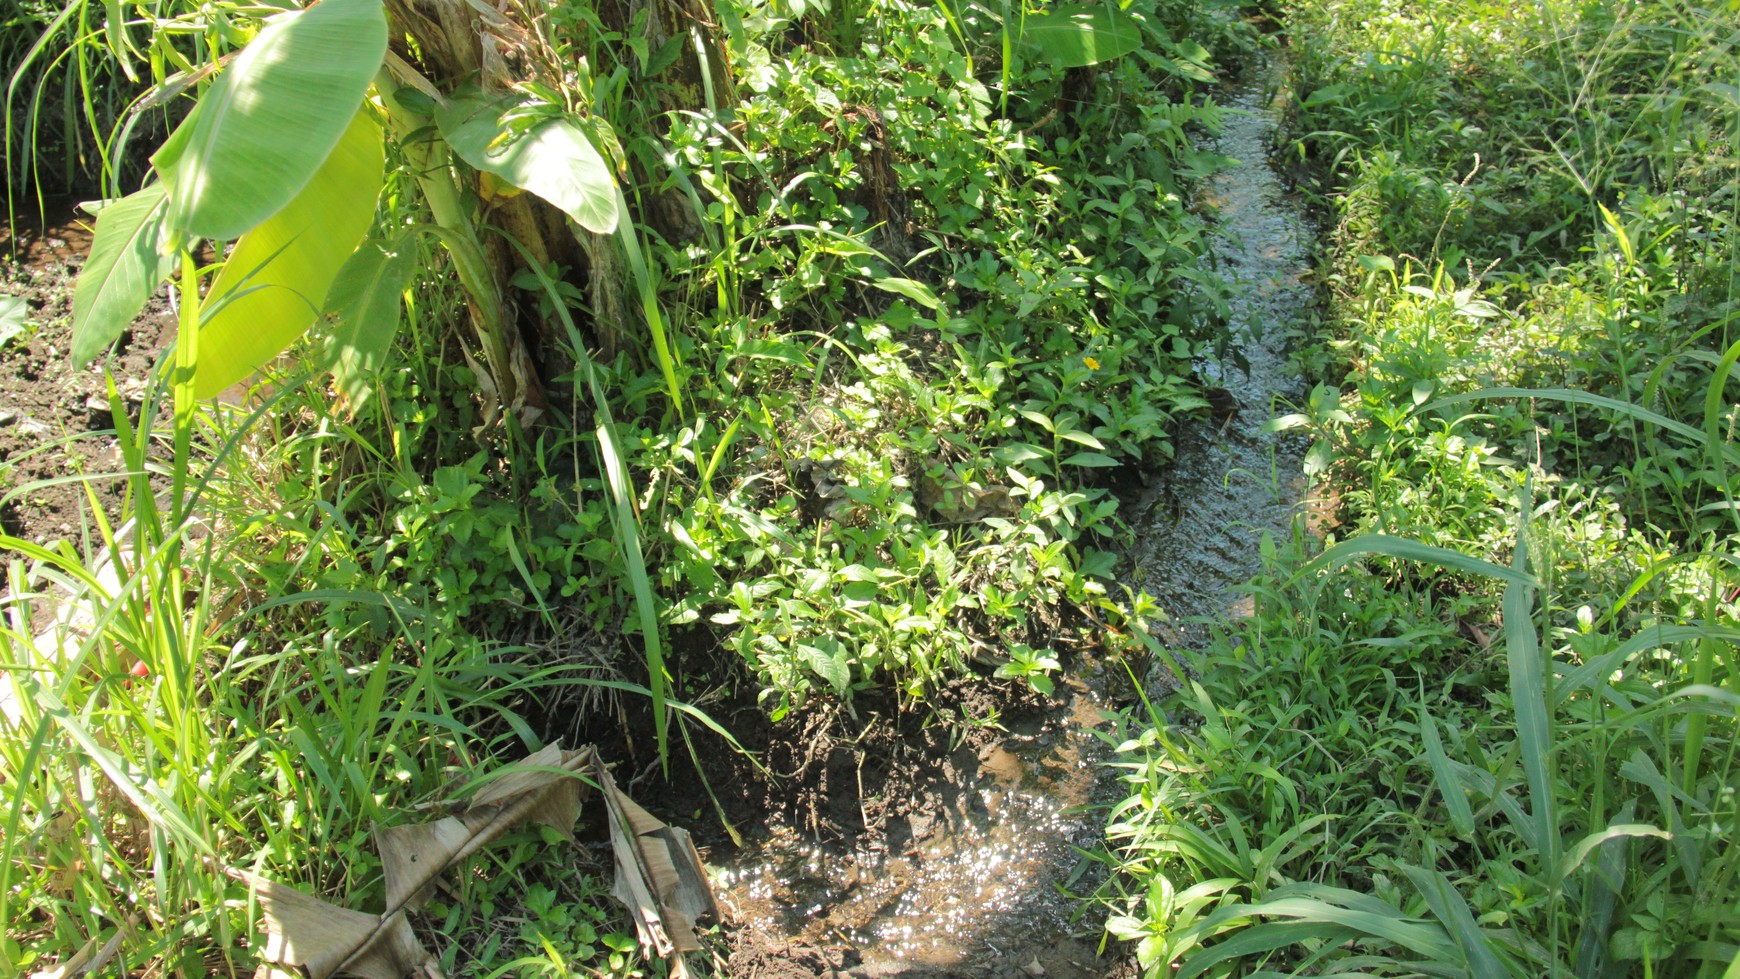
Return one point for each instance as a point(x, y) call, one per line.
point(659, 875)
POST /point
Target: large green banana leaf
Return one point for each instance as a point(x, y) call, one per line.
point(275, 281)
point(125, 266)
point(272, 117)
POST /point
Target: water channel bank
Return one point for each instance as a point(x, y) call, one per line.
point(979, 884)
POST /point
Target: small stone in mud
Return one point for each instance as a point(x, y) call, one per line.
point(101, 416)
point(34, 427)
point(1222, 403)
point(7, 417)
point(1033, 968)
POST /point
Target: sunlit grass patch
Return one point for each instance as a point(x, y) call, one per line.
point(1500, 740)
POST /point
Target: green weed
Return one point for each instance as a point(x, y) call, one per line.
point(1490, 731)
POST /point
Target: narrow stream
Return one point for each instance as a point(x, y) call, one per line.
point(978, 892)
point(1199, 527)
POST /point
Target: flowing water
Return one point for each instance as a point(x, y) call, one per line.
point(1199, 527)
point(977, 894)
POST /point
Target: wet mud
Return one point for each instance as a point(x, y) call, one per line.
point(973, 881)
point(978, 870)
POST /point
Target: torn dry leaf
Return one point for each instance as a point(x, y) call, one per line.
point(539, 788)
point(322, 939)
point(659, 874)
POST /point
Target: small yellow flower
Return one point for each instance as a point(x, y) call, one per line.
point(1093, 365)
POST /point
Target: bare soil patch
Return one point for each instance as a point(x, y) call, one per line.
point(876, 841)
point(55, 420)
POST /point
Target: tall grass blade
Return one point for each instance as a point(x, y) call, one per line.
point(1696, 436)
point(1577, 854)
point(21, 73)
point(1528, 693)
point(1703, 671)
point(1452, 911)
point(1262, 938)
point(1655, 637)
point(624, 518)
point(629, 235)
point(1409, 550)
point(1715, 405)
point(1339, 908)
point(1599, 900)
point(1449, 787)
point(1640, 768)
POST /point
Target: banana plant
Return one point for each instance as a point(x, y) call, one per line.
point(1077, 35)
point(283, 154)
point(1067, 36)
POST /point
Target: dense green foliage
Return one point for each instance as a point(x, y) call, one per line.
point(1514, 756)
point(894, 306)
point(905, 483)
point(898, 297)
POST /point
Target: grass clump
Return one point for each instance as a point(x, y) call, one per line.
point(249, 687)
point(1492, 730)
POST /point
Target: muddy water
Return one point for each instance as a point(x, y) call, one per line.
point(977, 885)
point(56, 232)
point(976, 892)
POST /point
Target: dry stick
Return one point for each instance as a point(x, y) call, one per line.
point(863, 814)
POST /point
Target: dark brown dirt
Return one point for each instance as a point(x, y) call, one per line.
point(845, 777)
point(756, 955)
point(866, 778)
point(870, 786)
point(54, 417)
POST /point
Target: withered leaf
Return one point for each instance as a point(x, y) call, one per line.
point(658, 875)
point(413, 856)
point(322, 939)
